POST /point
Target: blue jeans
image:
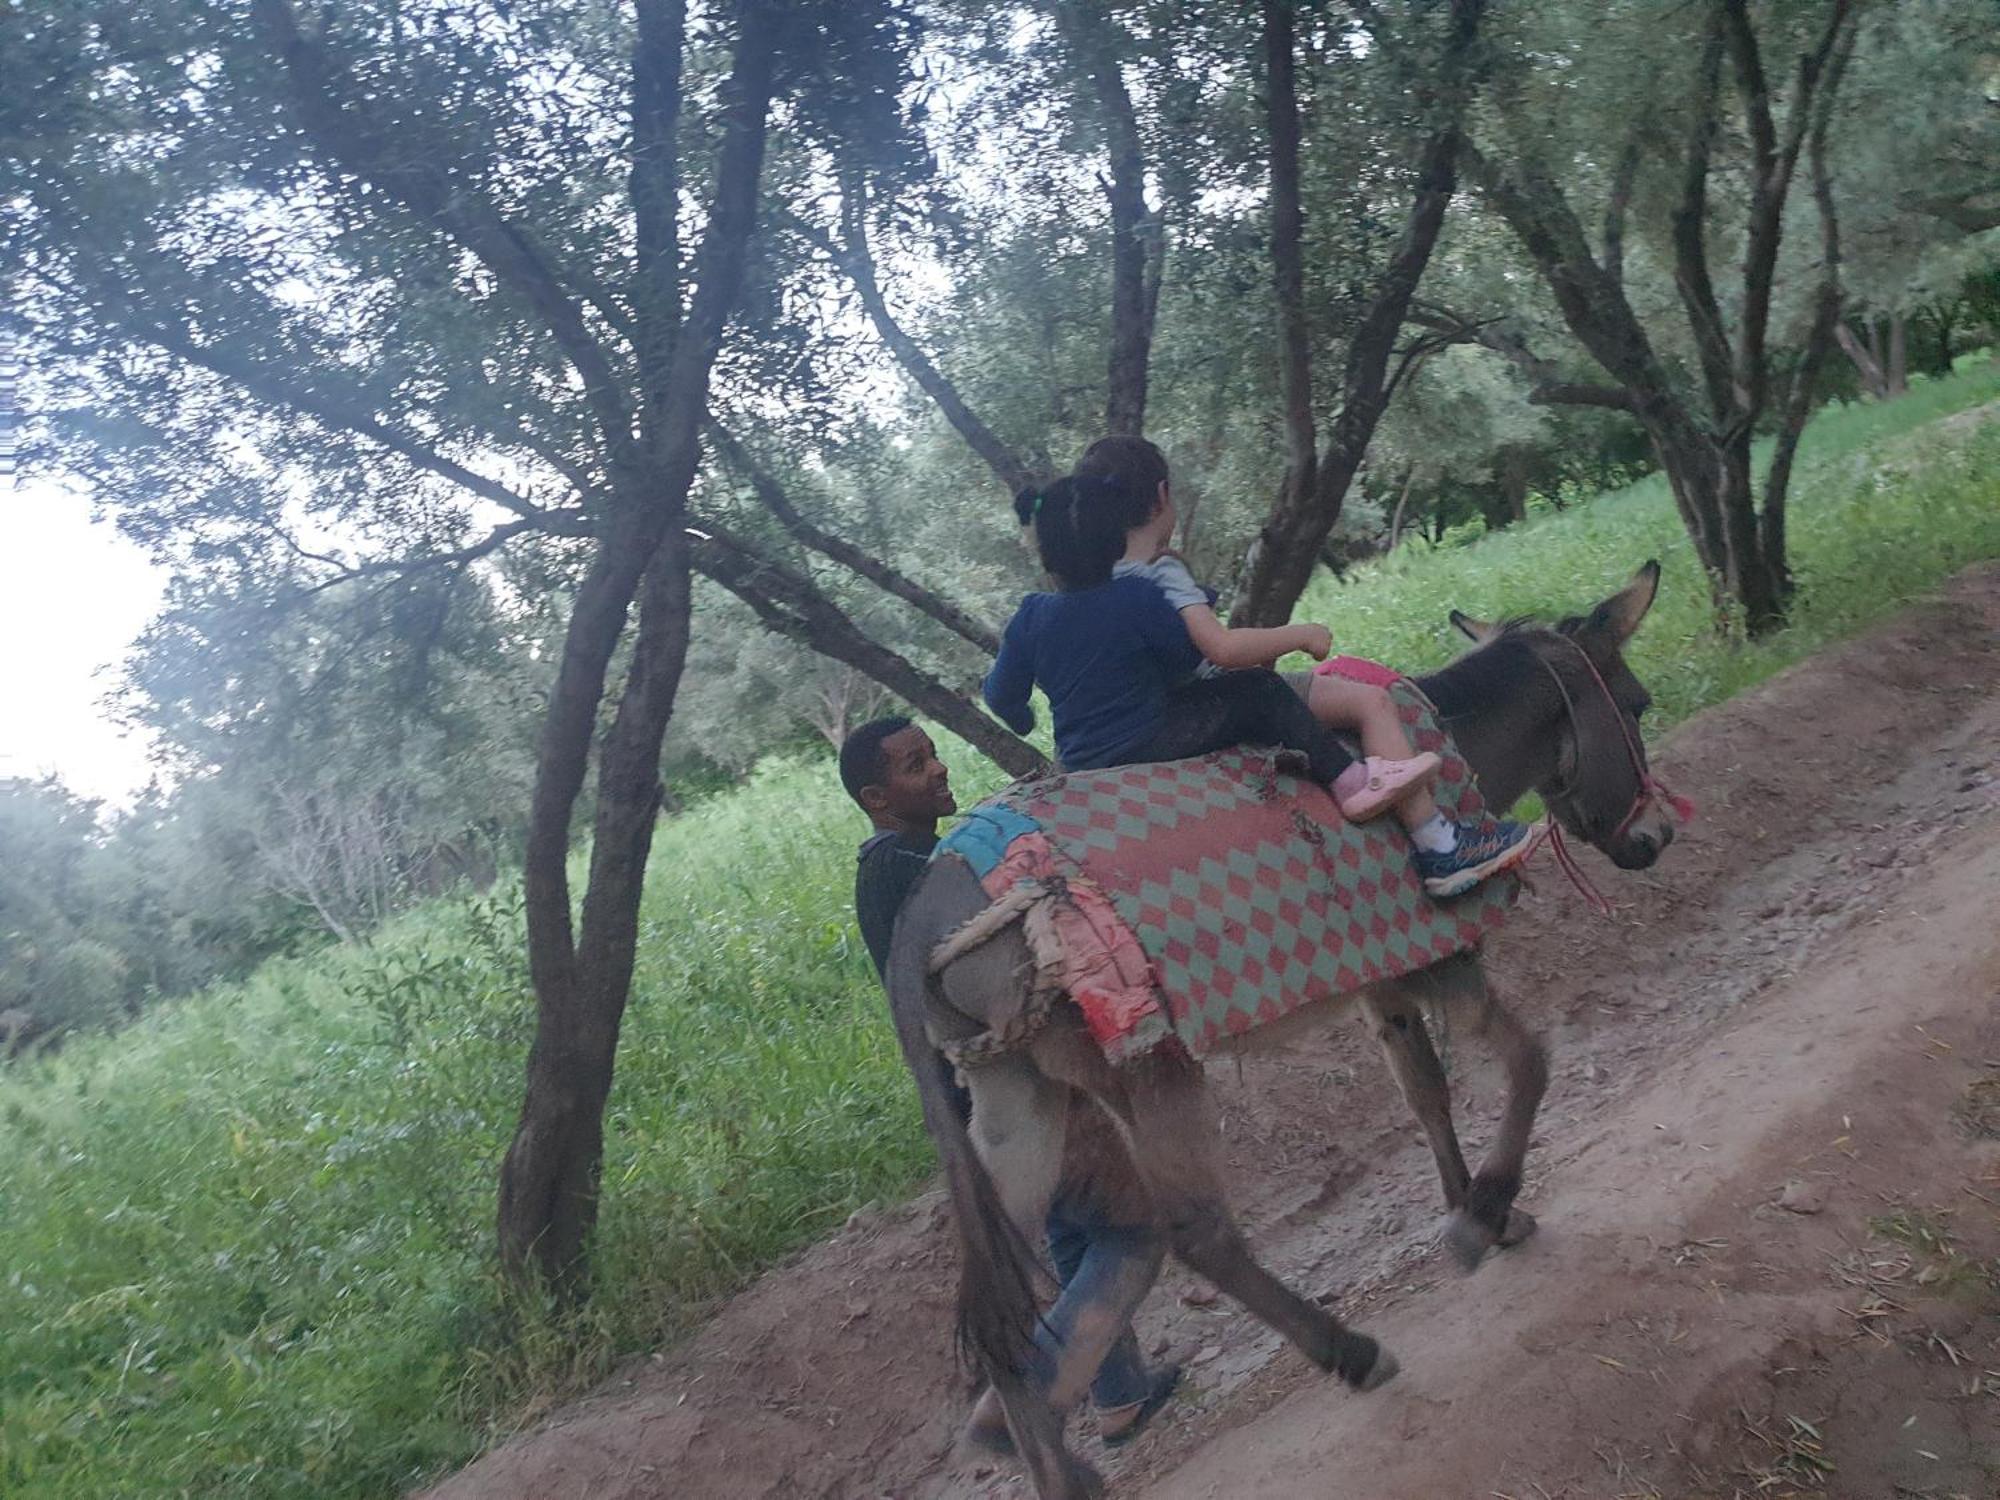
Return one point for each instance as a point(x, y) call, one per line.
point(1086, 1255)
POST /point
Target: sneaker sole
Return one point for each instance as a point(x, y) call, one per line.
point(1372, 804)
point(1460, 881)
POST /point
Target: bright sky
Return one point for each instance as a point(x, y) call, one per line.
point(73, 595)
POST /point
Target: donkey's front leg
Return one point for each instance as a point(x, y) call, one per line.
point(1488, 1216)
point(1172, 1131)
point(1398, 1023)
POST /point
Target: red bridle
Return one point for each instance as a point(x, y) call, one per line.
point(1650, 788)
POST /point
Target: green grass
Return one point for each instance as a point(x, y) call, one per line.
point(1883, 505)
point(245, 1243)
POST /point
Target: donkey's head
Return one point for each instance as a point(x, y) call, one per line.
point(1561, 714)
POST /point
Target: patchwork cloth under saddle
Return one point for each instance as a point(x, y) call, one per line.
point(1198, 899)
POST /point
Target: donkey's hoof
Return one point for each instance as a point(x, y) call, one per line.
point(1082, 1482)
point(1384, 1370)
point(1380, 1365)
point(1468, 1239)
point(1520, 1225)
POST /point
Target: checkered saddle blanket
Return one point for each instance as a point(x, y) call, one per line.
point(1198, 899)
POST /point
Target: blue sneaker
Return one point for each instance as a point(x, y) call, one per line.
point(1480, 853)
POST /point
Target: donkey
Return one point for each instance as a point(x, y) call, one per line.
point(1552, 708)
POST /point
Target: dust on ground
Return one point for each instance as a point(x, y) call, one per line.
point(1768, 1174)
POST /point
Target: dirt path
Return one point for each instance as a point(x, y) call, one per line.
point(1798, 1007)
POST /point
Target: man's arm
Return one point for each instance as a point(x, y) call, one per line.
point(881, 886)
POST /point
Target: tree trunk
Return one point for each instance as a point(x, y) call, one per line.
point(1514, 464)
point(1819, 341)
point(1896, 378)
point(1281, 102)
point(1865, 364)
point(549, 1179)
point(1402, 506)
point(548, 1182)
point(548, 1185)
point(1706, 456)
point(1098, 45)
point(1747, 574)
point(1283, 555)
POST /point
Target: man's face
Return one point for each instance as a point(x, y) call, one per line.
point(915, 786)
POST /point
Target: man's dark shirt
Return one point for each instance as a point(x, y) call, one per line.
point(888, 866)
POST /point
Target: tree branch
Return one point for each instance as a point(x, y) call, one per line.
point(1773, 165)
point(550, 523)
point(1281, 559)
point(1733, 21)
point(1692, 278)
point(774, 499)
point(1281, 109)
point(790, 604)
point(1601, 318)
point(1819, 338)
point(1380, 32)
point(674, 434)
point(1548, 387)
point(1099, 45)
point(275, 389)
point(655, 186)
point(1624, 179)
point(858, 265)
point(1960, 210)
point(350, 139)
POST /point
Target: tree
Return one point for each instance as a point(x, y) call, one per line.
point(1703, 434)
point(56, 971)
point(369, 742)
point(1315, 484)
point(454, 261)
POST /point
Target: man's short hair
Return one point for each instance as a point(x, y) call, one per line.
point(861, 754)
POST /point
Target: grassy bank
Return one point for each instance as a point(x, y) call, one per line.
point(1886, 501)
point(244, 1244)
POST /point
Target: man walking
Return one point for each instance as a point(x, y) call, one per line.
point(892, 771)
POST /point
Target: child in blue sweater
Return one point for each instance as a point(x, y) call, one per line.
point(1132, 658)
point(1117, 662)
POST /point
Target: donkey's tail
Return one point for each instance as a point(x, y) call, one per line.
point(997, 1309)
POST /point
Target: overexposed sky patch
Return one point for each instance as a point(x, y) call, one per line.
point(73, 596)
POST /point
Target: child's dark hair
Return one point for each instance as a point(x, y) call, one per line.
point(1080, 525)
point(1130, 460)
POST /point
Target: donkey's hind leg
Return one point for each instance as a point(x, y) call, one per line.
point(1397, 1020)
point(1487, 1217)
point(1172, 1129)
point(1018, 1119)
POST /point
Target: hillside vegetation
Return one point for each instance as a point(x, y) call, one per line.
point(245, 1244)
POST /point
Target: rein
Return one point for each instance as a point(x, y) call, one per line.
point(1650, 788)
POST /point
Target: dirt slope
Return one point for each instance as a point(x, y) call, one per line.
point(1748, 1020)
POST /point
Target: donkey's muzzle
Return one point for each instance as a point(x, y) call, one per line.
point(1641, 847)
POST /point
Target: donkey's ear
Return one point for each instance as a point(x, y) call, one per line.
point(1618, 616)
point(1479, 632)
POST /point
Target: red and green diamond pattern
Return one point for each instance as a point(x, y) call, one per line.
point(1248, 891)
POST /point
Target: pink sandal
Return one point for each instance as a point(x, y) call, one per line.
point(1369, 787)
